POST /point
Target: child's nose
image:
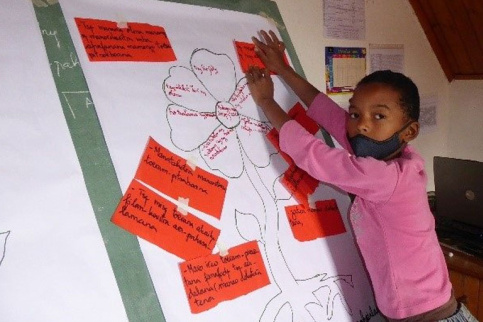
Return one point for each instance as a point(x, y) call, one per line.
point(363, 125)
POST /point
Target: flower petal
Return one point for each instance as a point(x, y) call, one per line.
point(253, 137)
point(216, 72)
point(222, 152)
point(190, 129)
point(183, 88)
point(242, 99)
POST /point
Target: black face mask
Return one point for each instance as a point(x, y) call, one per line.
point(364, 146)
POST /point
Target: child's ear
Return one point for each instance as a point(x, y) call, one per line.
point(411, 132)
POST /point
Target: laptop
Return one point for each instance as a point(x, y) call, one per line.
point(459, 195)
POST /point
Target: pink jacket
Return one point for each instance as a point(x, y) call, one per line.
point(390, 216)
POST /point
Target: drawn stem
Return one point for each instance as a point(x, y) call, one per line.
point(276, 262)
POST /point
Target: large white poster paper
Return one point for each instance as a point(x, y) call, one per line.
point(198, 108)
point(53, 263)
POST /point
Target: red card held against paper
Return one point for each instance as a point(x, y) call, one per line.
point(309, 224)
point(172, 175)
point(146, 214)
point(248, 57)
point(299, 183)
point(213, 279)
point(298, 113)
point(273, 137)
point(105, 41)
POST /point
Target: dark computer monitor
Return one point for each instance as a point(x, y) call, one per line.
point(459, 190)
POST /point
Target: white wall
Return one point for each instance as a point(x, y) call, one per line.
point(465, 128)
point(394, 22)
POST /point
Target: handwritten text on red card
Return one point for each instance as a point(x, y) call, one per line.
point(213, 279)
point(146, 214)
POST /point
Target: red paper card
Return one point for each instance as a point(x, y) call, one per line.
point(213, 279)
point(146, 214)
point(104, 41)
point(273, 137)
point(170, 174)
point(248, 57)
point(298, 113)
point(299, 183)
point(309, 224)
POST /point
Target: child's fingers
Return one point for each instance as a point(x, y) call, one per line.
point(266, 37)
point(272, 40)
point(259, 45)
point(274, 37)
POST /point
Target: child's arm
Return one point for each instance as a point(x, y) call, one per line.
point(271, 53)
point(261, 87)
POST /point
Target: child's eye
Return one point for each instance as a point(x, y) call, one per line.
point(353, 115)
point(379, 116)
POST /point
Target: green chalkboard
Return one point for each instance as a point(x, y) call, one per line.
point(136, 288)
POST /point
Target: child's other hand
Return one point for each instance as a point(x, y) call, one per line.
point(271, 52)
point(260, 85)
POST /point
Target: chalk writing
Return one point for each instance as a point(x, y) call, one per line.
point(213, 279)
point(144, 213)
point(52, 33)
point(77, 99)
point(61, 66)
point(104, 41)
point(170, 174)
point(309, 224)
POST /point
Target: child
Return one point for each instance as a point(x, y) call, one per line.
point(390, 216)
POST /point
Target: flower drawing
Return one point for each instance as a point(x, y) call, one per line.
point(211, 111)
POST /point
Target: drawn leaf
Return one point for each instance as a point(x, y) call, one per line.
point(247, 225)
point(3, 244)
point(315, 310)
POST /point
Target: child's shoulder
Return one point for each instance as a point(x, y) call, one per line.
point(410, 160)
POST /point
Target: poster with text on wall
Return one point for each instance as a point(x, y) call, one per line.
point(172, 73)
point(344, 68)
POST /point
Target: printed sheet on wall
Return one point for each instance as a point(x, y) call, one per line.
point(227, 225)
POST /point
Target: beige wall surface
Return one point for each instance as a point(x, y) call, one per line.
point(458, 132)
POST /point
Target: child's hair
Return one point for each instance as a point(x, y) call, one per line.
point(409, 91)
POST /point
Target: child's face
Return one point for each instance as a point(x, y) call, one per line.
point(375, 112)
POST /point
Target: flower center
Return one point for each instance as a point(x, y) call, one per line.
point(227, 115)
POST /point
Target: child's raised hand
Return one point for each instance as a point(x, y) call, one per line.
point(260, 85)
point(271, 52)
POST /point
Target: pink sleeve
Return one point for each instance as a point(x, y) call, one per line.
point(331, 117)
point(368, 178)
